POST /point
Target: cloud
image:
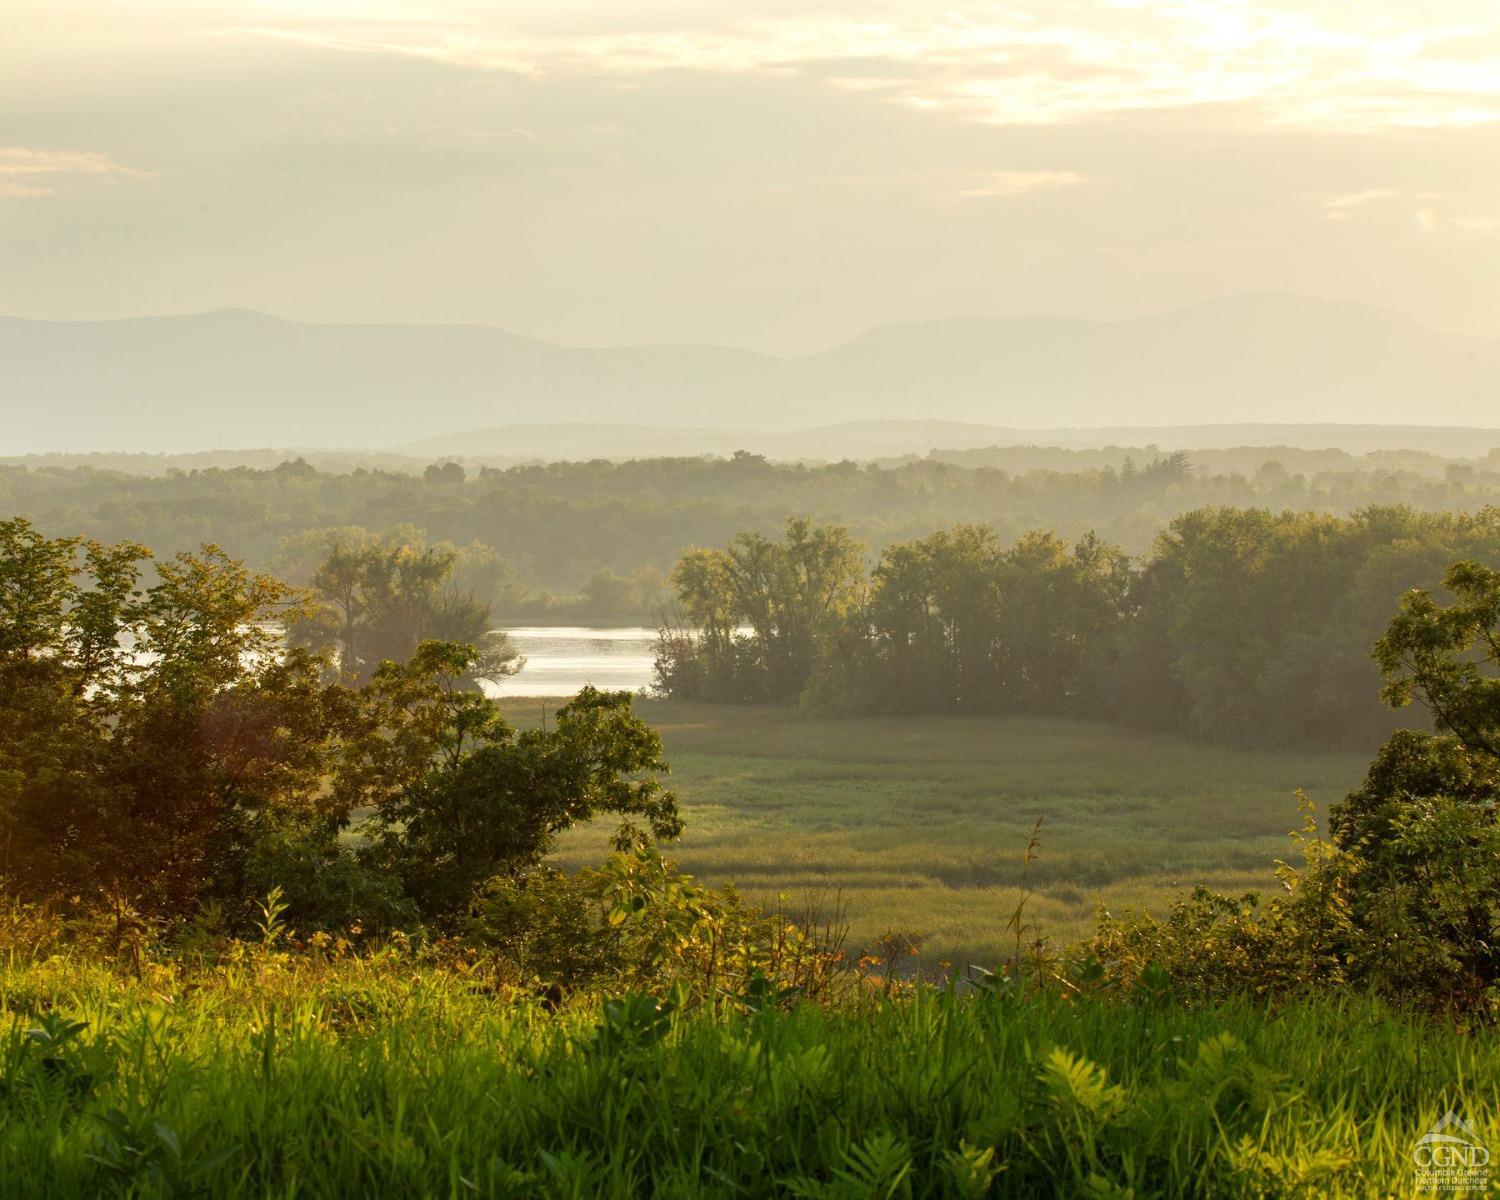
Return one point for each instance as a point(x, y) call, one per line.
point(1018, 183)
point(28, 172)
point(1345, 207)
point(1025, 62)
point(1424, 211)
point(529, 164)
point(1355, 199)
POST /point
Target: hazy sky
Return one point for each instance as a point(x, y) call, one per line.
point(774, 175)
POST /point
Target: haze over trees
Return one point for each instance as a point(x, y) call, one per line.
point(1021, 560)
point(592, 542)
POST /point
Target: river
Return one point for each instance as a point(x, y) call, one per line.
point(561, 659)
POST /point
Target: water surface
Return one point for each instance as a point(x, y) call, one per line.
point(560, 659)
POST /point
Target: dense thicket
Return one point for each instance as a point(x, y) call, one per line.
point(598, 537)
point(1240, 625)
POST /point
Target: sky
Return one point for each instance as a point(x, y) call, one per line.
point(778, 176)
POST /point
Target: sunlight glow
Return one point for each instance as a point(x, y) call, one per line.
point(1023, 63)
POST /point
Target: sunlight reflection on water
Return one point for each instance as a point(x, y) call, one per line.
point(561, 659)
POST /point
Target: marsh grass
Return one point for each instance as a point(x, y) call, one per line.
point(921, 823)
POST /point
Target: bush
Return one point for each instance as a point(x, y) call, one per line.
point(636, 922)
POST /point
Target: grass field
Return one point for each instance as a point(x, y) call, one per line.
point(921, 823)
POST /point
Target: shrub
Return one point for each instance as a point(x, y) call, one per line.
point(634, 922)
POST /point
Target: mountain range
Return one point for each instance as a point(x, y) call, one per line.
point(237, 378)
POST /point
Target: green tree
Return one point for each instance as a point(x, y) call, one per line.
point(161, 749)
point(459, 796)
point(1253, 627)
point(933, 615)
point(1423, 825)
point(449, 473)
point(61, 665)
point(793, 595)
point(1061, 614)
point(954, 622)
point(379, 598)
point(150, 735)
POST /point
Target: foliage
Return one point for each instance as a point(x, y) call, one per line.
point(726, 1049)
point(149, 737)
point(954, 622)
point(1424, 822)
point(161, 753)
point(635, 921)
point(1449, 657)
point(1210, 947)
point(459, 795)
point(1405, 898)
point(377, 600)
point(792, 596)
point(1241, 626)
point(557, 524)
point(1273, 573)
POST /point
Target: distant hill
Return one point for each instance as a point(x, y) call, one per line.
point(866, 440)
point(1216, 449)
point(237, 378)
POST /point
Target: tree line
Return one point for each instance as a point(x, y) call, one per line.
point(1244, 626)
point(592, 542)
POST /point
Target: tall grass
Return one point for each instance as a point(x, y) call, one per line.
point(301, 1075)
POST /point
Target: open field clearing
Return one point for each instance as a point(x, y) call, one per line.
point(921, 823)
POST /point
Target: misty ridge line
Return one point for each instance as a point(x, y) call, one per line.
point(232, 311)
point(236, 378)
point(1209, 301)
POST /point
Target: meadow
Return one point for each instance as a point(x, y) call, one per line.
point(918, 825)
